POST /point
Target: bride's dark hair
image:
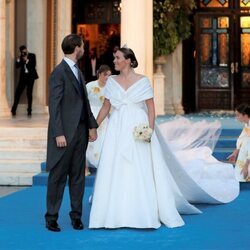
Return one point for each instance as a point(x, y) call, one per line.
point(244, 109)
point(129, 54)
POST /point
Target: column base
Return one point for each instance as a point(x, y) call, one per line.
point(169, 109)
point(178, 108)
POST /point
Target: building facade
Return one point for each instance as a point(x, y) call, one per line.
point(211, 70)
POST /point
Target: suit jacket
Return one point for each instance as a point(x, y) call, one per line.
point(31, 66)
point(66, 105)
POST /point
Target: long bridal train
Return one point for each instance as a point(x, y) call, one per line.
point(141, 185)
point(188, 148)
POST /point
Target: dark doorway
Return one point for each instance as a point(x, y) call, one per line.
point(98, 22)
point(188, 71)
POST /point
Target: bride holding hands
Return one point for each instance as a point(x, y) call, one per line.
point(135, 187)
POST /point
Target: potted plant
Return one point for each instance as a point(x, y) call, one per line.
point(170, 24)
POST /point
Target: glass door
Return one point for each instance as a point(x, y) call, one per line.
point(242, 60)
point(222, 38)
point(214, 67)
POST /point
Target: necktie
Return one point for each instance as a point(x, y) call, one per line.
point(78, 74)
point(79, 80)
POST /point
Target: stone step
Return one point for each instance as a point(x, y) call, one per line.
point(21, 166)
point(235, 132)
point(27, 142)
point(23, 132)
point(23, 153)
point(226, 142)
point(16, 179)
point(221, 154)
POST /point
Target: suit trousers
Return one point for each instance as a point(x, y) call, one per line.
point(28, 82)
point(71, 165)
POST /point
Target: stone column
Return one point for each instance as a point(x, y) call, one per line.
point(159, 88)
point(137, 32)
point(63, 25)
point(10, 51)
point(4, 107)
point(36, 43)
point(168, 72)
point(173, 82)
point(177, 80)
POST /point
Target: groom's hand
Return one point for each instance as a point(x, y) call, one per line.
point(92, 134)
point(61, 141)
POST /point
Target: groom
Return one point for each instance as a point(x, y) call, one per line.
point(71, 125)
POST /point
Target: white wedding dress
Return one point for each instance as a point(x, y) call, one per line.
point(134, 186)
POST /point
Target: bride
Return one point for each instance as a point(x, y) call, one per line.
point(140, 183)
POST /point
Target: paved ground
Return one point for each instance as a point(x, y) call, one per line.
point(6, 190)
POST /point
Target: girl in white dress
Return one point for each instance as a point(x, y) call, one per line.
point(95, 91)
point(241, 155)
point(135, 186)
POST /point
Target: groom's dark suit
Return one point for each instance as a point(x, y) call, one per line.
point(70, 115)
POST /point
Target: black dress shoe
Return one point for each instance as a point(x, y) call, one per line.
point(53, 226)
point(29, 114)
point(13, 113)
point(77, 224)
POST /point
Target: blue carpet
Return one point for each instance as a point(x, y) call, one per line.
point(219, 227)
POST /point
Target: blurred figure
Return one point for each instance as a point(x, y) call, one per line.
point(27, 63)
point(92, 64)
point(109, 59)
point(95, 91)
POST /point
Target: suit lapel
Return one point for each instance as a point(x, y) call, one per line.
point(83, 84)
point(72, 77)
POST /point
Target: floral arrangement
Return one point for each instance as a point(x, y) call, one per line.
point(171, 24)
point(143, 132)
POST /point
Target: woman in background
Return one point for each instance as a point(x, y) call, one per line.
point(95, 91)
point(241, 155)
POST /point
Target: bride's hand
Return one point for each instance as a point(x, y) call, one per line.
point(92, 134)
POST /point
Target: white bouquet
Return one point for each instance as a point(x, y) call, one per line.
point(143, 132)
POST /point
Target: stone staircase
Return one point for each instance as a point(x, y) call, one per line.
point(22, 149)
point(224, 147)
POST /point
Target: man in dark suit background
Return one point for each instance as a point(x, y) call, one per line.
point(27, 63)
point(71, 125)
point(91, 66)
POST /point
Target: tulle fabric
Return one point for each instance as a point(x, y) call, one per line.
point(200, 176)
